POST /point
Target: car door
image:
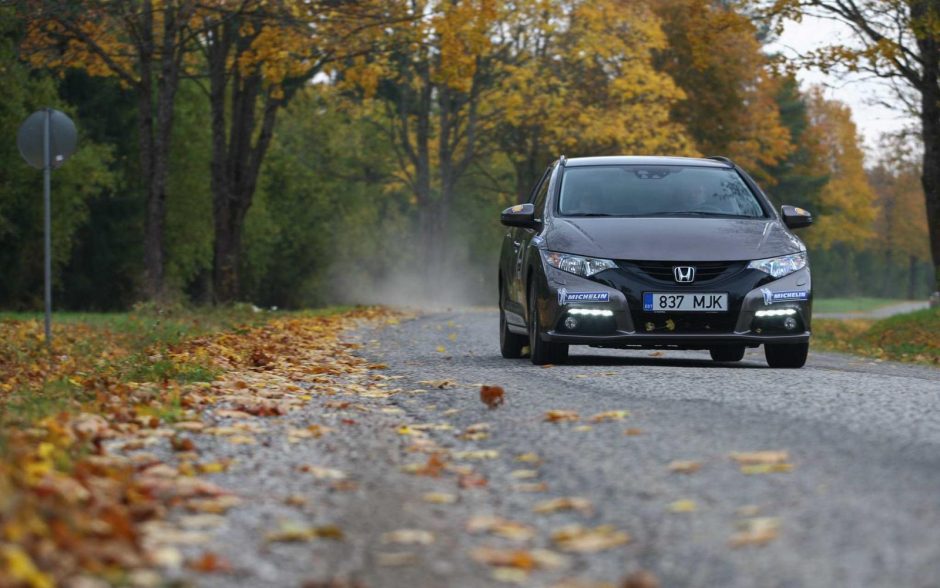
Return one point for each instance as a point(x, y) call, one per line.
point(522, 237)
point(512, 258)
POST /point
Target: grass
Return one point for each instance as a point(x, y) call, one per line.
point(852, 304)
point(911, 337)
point(89, 349)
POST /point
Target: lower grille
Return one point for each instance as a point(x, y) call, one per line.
point(697, 323)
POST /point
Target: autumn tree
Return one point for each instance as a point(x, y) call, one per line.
point(258, 54)
point(902, 224)
point(580, 80)
point(714, 54)
point(847, 207)
point(428, 92)
point(143, 44)
point(898, 41)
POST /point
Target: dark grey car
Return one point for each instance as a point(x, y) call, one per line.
point(653, 252)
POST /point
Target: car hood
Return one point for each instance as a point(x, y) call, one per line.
point(671, 239)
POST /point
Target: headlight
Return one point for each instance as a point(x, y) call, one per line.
point(575, 264)
point(780, 266)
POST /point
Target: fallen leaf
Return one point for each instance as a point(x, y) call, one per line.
point(684, 467)
point(524, 474)
point(610, 415)
point(439, 384)
point(409, 537)
point(441, 349)
point(767, 468)
point(578, 539)
point(471, 480)
point(500, 527)
point(558, 416)
point(582, 428)
point(292, 532)
point(323, 473)
point(761, 457)
point(530, 487)
point(529, 458)
point(564, 503)
point(756, 531)
point(439, 498)
point(522, 559)
point(641, 579)
point(476, 455)
point(682, 506)
point(633, 432)
point(209, 562)
point(492, 396)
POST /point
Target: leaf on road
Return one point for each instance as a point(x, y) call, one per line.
point(476, 455)
point(471, 480)
point(633, 432)
point(757, 532)
point(500, 527)
point(641, 579)
point(433, 467)
point(529, 458)
point(321, 473)
point(761, 457)
point(441, 349)
point(579, 539)
point(524, 474)
point(560, 416)
point(610, 415)
point(767, 468)
point(684, 505)
point(409, 537)
point(530, 487)
point(583, 428)
point(564, 503)
point(292, 532)
point(685, 467)
point(210, 562)
point(439, 384)
point(522, 559)
point(476, 432)
point(439, 498)
point(492, 396)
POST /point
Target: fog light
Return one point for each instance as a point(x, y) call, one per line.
point(789, 323)
point(571, 323)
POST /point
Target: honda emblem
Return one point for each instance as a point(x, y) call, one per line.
point(684, 273)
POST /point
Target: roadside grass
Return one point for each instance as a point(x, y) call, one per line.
point(91, 351)
point(852, 304)
point(911, 337)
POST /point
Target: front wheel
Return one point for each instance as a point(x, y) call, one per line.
point(786, 355)
point(727, 353)
point(542, 352)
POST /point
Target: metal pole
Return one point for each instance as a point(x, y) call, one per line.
point(47, 217)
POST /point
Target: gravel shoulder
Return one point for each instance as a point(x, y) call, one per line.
point(859, 507)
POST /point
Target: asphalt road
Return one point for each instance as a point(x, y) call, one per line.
point(860, 507)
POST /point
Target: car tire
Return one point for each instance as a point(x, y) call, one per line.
point(510, 344)
point(727, 353)
point(542, 352)
point(786, 355)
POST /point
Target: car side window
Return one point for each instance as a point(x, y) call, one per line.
point(542, 193)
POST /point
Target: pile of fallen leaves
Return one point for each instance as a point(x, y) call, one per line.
point(69, 506)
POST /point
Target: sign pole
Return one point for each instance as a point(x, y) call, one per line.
point(47, 218)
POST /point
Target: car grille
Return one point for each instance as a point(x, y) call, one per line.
point(705, 271)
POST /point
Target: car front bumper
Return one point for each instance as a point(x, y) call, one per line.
point(619, 295)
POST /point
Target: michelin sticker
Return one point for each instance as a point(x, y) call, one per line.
point(564, 297)
point(788, 296)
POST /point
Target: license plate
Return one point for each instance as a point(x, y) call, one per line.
point(685, 302)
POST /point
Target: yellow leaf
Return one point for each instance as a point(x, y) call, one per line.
point(683, 506)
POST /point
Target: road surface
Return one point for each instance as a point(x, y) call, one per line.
point(860, 506)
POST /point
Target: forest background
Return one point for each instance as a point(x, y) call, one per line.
point(297, 154)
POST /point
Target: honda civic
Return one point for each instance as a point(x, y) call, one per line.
point(653, 253)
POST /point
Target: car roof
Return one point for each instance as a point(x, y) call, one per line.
point(644, 160)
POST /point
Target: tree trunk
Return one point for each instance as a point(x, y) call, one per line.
point(930, 133)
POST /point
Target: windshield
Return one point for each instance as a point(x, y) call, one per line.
point(656, 190)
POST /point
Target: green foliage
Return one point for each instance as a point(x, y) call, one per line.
point(905, 337)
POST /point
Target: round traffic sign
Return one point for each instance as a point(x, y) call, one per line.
point(61, 132)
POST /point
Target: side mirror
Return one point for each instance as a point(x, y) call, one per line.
point(796, 217)
point(520, 215)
